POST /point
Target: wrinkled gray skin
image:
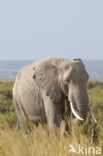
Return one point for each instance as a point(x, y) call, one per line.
point(40, 89)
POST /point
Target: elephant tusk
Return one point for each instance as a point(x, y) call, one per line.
point(92, 115)
point(74, 112)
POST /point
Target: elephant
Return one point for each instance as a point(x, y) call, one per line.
point(41, 88)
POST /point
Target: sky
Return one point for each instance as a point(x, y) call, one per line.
point(35, 29)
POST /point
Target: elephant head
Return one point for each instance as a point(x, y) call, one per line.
point(62, 76)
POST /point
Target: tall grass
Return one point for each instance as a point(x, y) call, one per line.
point(42, 141)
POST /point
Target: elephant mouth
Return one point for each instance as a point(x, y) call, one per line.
point(76, 114)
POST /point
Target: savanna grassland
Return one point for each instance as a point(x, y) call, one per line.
point(39, 143)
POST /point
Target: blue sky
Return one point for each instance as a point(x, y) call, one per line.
point(35, 29)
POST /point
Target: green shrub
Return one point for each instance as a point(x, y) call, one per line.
point(6, 103)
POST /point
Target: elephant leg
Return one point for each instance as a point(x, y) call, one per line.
point(53, 116)
point(22, 120)
point(53, 113)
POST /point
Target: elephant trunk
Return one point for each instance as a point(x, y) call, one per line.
point(79, 101)
point(82, 112)
point(78, 98)
point(83, 109)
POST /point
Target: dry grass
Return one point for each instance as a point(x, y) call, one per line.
point(43, 142)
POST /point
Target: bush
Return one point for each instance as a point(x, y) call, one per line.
point(6, 103)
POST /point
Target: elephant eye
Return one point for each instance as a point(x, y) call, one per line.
point(68, 80)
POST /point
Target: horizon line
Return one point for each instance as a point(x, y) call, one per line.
point(51, 57)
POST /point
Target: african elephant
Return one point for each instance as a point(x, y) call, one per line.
point(41, 87)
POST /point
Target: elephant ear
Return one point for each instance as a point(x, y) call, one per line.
point(46, 77)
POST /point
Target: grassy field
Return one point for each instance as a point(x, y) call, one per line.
point(39, 143)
